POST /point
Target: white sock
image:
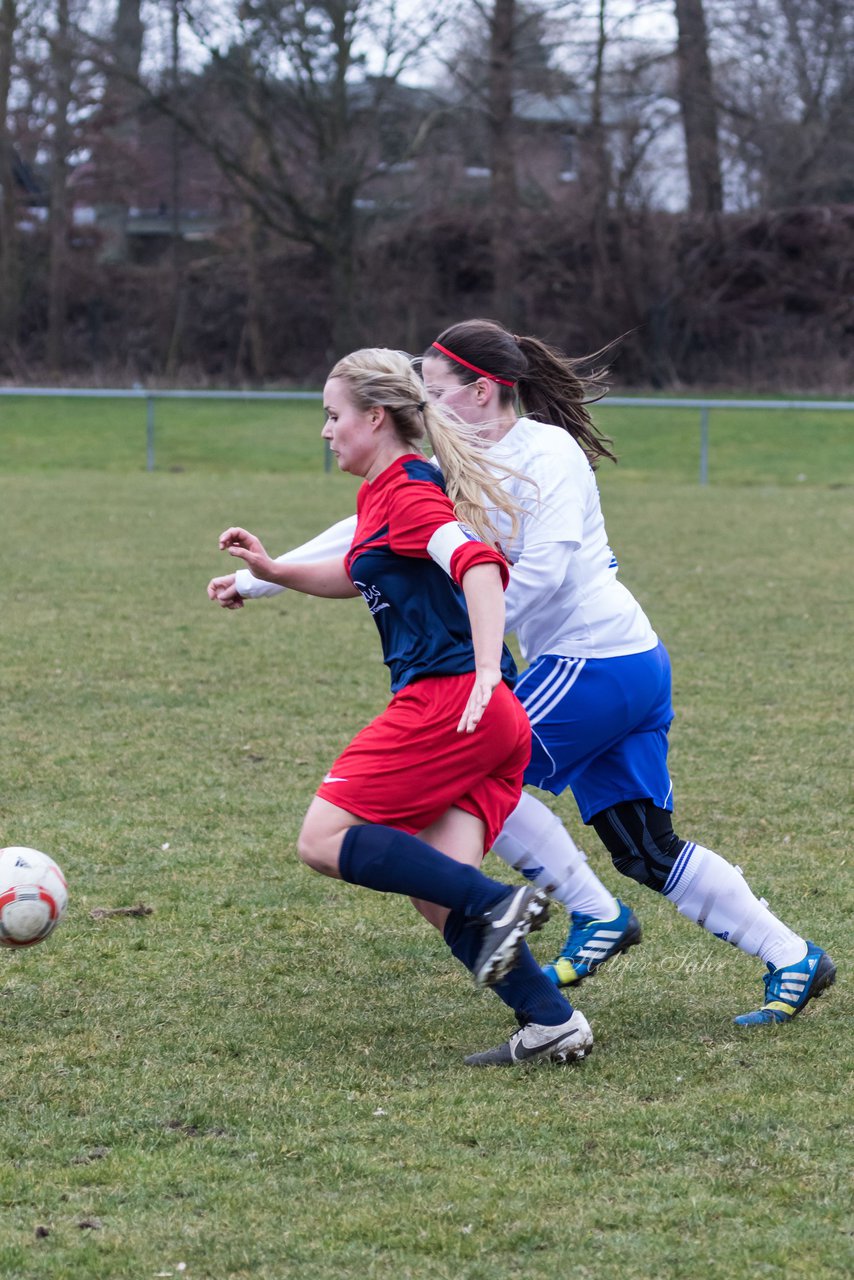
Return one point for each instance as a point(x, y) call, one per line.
point(536, 843)
point(713, 893)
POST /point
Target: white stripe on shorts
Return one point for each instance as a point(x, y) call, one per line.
point(546, 697)
point(529, 701)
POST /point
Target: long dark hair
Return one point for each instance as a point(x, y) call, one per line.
point(551, 386)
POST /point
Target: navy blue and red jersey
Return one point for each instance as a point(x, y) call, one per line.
point(408, 557)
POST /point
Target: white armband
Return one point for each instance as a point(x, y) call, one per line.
point(333, 542)
point(445, 541)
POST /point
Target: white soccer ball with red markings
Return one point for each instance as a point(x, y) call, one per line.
point(33, 896)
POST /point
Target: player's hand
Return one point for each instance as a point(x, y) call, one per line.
point(485, 682)
point(225, 592)
point(239, 542)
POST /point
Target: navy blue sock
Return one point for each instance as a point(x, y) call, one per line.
point(526, 989)
point(391, 861)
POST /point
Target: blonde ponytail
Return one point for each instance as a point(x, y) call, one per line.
point(472, 481)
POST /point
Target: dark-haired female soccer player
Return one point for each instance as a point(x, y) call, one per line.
point(597, 688)
point(438, 772)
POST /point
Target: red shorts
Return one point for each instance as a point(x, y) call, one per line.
point(409, 765)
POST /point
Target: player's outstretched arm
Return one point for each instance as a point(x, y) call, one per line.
point(328, 545)
point(326, 578)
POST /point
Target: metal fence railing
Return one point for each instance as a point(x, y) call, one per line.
point(150, 397)
point(703, 406)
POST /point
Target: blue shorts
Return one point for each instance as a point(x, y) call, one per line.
point(599, 726)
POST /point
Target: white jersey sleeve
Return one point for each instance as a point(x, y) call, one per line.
point(333, 542)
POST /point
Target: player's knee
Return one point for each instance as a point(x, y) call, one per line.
point(317, 851)
point(641, 841)
point(307, 849)
point(621, 847)
point(629, 864)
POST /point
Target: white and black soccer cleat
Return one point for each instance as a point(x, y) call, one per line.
point(505, 928)
point(568, 1042)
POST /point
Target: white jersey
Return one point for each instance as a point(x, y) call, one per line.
point(563, 597)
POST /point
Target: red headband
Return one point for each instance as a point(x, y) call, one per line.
point(505, 382)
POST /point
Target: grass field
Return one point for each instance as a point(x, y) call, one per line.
point(746, 446)
point(263, 1077)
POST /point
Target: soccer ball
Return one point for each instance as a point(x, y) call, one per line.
point(33, 896)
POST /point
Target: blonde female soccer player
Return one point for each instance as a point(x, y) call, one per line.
point(439, 771)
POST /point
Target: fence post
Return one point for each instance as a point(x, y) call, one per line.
point(149, 432)
point(704, 444)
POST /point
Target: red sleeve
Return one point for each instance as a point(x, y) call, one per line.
point(416, 510)
point(465, 557)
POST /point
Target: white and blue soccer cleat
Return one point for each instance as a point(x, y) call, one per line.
point(590, 943)
point(788, 988)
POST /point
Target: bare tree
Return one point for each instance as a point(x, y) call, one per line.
point(254, 234)
point(787, 88)
point(597, 145)
point(598, 162)
point(504, 190)
point(117, 126)
point(62, 74)
point(517, 38)
point(699, 111)
point(9, 282)
point(177, 291)
point(287, 108)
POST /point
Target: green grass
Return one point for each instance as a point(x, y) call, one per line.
point(105, 434)
point(263, 1078)
point(746, 446)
